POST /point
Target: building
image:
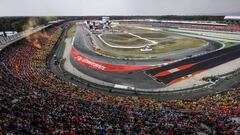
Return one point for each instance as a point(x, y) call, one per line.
point(105, 19)
point(232, 19)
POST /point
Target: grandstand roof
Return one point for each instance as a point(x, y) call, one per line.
point(232, 18)
point(194, 22)
point(174, 21)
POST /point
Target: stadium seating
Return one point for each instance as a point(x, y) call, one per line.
point(35, 101)
point(233, 28)
point(204, 27)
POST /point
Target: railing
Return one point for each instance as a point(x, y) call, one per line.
point(5, 41)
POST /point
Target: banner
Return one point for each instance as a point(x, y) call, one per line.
point(101, 65)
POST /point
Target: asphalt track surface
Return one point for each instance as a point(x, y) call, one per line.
point(201, 66)
point(192, 60)
point(132, 78)
point(137, 78)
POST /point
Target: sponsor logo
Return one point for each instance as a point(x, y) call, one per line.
point(84, 60)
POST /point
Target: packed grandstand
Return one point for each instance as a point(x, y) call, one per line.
point(189, 24)
point(34, 100)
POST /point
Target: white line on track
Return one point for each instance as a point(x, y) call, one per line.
point(129, 47)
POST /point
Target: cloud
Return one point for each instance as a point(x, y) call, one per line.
point(116, 7)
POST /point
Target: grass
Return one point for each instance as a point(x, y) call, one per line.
point(123, 40)
point(61, 48)
point(118, 55)
point(167, 47)
point(228, 44)
point(71, 31)
point(145, 33)
point(118, 36)
point(178, 44)
point(153, 35)
point(133, 42)
point(133, 29)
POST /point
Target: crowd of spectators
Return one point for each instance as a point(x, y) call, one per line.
point(35, 101)
point(233, 28)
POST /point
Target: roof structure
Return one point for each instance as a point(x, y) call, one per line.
point(232, 18)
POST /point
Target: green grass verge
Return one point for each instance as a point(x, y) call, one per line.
point(163, 47)
point(123, 40)
point(60, 50)
point(166, 47)
point(133, 29)
point(71, 31)
point(178, 44)
point(228, 44)
point(117, 36)
point(118, 55)
point(153, 35)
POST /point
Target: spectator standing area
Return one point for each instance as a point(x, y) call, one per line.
point(34, 100)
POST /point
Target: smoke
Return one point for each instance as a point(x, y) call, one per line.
point(35, 38)
point(30, 23)
point(49, 18)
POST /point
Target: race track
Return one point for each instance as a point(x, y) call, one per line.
point(83, 43)
point(138, 73)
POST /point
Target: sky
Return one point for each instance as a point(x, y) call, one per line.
point(118, 7)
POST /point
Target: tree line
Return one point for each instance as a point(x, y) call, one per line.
point(22, 23)
point(167, 17)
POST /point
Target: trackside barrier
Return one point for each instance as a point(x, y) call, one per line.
point(230, 73)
